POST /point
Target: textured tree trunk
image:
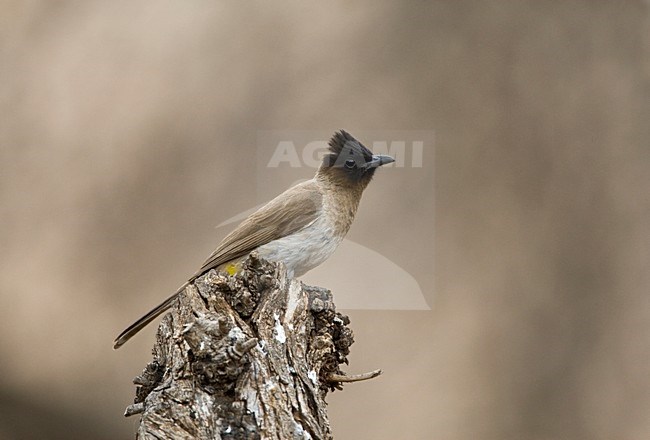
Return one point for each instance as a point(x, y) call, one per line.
point(250, 356)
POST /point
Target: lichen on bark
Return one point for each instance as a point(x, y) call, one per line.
point(248, 356)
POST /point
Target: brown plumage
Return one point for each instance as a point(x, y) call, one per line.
point(301, 227)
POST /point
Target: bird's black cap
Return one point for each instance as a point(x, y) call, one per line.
point(343, 146)
point(348, 160)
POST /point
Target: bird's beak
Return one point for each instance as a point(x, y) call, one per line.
point(379, 160)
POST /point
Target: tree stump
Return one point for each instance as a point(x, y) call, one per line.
point(248, 356)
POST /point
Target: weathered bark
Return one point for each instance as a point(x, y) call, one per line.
point(250, 356)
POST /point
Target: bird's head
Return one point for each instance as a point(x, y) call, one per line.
point(348, 162)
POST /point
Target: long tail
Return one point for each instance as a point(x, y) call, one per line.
point(146, 319)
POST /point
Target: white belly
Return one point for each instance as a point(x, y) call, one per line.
point(305, 249)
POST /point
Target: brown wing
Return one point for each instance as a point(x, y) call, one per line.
point(287, 213)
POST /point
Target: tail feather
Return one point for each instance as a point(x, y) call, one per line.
point(141, 323)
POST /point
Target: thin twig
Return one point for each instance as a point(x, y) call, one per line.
point(353, 378)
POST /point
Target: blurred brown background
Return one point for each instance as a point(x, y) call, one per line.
point(126, 130)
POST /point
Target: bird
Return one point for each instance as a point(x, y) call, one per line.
point(301, 227)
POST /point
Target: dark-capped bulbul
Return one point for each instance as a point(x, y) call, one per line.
point(301, 227)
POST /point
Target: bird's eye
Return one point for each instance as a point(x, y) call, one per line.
point(350, 163)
